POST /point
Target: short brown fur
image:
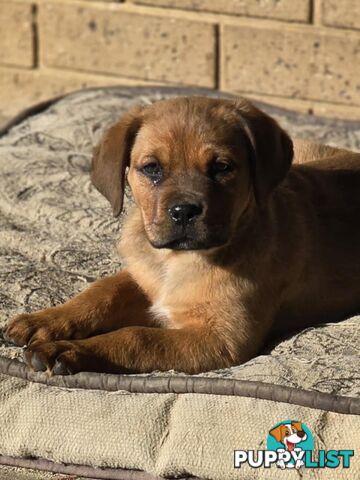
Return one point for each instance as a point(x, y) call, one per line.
point(275, 247)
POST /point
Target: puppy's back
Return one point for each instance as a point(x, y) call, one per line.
point(322, 198)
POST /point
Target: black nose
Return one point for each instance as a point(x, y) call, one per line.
point(301, 433)
point(185, 213)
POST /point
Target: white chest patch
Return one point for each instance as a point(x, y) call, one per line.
point(161, 313)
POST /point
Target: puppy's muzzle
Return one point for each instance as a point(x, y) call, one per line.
point(184, 214)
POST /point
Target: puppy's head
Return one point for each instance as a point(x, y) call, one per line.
point(289, 434)
point(195, 165)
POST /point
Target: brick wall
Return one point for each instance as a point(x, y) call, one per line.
point(301, 54)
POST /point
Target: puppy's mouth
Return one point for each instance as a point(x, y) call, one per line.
point(187, 238)
point(182, 243)
point(290, 446)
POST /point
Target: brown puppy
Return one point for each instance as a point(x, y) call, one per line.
point(226, 244)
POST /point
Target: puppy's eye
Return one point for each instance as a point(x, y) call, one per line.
point(152, 170)
point(219, 168)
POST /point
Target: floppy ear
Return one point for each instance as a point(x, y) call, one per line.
point(297, 426)
point(271, 149)
point(112, 156)
point(277, 433)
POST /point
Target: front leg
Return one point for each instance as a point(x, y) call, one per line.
point(107, 304)
point(140, 350)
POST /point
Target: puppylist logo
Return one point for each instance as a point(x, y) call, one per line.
point(290, 444)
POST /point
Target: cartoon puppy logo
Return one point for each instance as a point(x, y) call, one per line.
point(290, 435)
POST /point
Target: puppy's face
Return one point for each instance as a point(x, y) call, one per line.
point(192, 167)
point(289, 434)
point(189, 173)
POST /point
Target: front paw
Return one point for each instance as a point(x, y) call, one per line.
point(56, 358)
point(44, 326)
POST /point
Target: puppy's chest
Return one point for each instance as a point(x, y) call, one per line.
point(181, 296)
point(183, 288)
point(163, 313)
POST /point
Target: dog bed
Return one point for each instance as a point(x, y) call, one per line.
point(57, 234)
